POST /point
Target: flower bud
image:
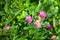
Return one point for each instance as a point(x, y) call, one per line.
point(42, 14)
point(48, 27)
point(28, 19)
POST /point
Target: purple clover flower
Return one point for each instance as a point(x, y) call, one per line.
point(42, 14)
point(28, 19)
point(48, 27)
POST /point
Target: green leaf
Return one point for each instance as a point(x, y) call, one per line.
point(59, 21)
point(0, 32)
point(54, 22)
point(23, 38)
point(31, 31)
point(27, 3)
point(6, 7)
point(23, 15)
point(58, 37)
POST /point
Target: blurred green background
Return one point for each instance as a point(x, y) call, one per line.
point(13, 13)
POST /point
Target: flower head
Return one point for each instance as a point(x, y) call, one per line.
point(42, 14)
point(6, 27)
point(28, 19)
point(53, 37)
point(37, 24)
point(48, 27)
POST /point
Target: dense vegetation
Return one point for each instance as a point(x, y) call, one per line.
point(29, 19)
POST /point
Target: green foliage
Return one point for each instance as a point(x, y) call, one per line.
point(13, 13)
